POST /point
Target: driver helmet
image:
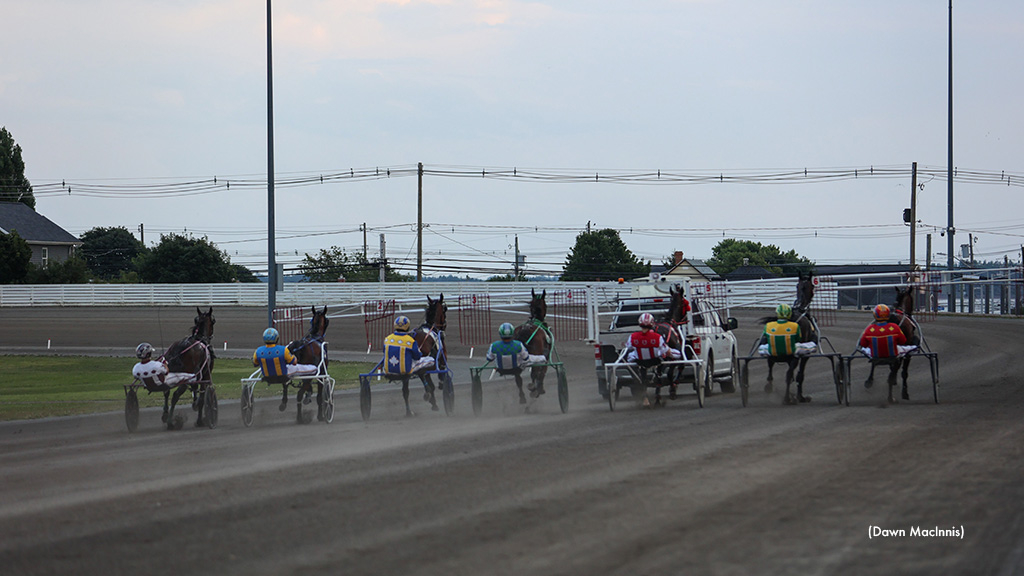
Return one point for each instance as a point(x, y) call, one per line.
point(505, 331)
point(783, 311)
point(646, 320)
point(402, 324)
point(144, 350)
point(270, 336)
point(881, 313)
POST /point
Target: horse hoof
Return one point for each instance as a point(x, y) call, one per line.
point(789, 400)
point(307, 400)
point(768, 388)
point(540, 390)
point(672, 394)
point(179, 422)
point(426, 396)
point(906, 395)
point(434, 407)
point(522, 398)
point(805, 399)
point(282, 406)
point(869, 383)
point(409, 413)
point(163, 417)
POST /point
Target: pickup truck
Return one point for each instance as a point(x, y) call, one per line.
point(707, 334)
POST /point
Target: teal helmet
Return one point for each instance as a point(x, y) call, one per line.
point(505, 330)
point(783, 311)
point(270, 336)
point(402, 324)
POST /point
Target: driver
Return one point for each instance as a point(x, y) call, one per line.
point(154, 373)
point(882, 338)
point(648, 344)
point(401, 354)
point(509, 354)
point(277, 361)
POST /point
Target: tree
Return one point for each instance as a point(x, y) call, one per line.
point(14, 187)
point(602, 255)
point(15, 256)
point(729, 254)
point(334, 264)
point(180, 259)
point(109, 252)
point(71, 271)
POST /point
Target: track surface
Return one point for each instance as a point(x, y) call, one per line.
point(767, 489)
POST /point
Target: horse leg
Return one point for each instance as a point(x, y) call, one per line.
point(673, 374)
point(537, 381)
point(199, 396)
point(428, 394)
point(800, 382)
point(519, 384)
point(301, 397)
point(789, 399)
point(906, 368)
point(871, 377)
point(768, 387)
point(405, 396)
point(171, 423)
point(893, 369)
point(165, 415)
point(284, 398)
point(320, 400)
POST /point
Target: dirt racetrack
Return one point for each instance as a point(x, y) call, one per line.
point(914, 488)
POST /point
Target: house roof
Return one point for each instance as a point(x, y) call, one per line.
point(685, 265)
point(32, 226)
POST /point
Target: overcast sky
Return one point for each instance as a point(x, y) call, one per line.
point(115, 95)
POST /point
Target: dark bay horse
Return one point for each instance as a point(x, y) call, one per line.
point(808, 333)
point(429, 339)
point(902, 315)
point(192, 355)
point(309, 350)
point(667, 326)
point(536, 336)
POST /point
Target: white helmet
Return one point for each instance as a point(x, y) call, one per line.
point(144, 350)
point(646, 320)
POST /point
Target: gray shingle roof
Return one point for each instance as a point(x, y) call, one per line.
point(32, 226)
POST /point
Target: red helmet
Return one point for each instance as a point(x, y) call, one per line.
point(881, 312)
point(646, 320)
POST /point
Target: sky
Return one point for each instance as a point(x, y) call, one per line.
point(127, 111)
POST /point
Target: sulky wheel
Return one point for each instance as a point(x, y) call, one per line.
point(837, 377)
point(210, 406)
point(745, 383)
point(364, 397)
point(131, 409)
point(328, 400)
point(563, 391)
point(477, 394)
point(613, 391)
point(248, 406)
point(448, 393)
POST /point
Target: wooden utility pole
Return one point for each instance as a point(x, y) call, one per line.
point(419, 223)
point(913, 219)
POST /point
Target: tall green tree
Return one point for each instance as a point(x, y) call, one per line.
point(729, 254)
point(14, 187)
point(334, 264)
point(602, 255)
point(15, 258)
point(181, 259)
point(110, 252)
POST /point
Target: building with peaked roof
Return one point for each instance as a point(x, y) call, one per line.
point(48, 241)
point(695, 270)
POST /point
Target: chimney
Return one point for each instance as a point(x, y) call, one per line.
point(677, 257)
point(746, 261)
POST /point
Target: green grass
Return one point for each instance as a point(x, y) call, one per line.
point(43, 386)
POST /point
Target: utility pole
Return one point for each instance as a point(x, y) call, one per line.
point(142, 234)
point(950, 230)
point(419, 223)
point(970, 287)
point(383, 259)
point(913, 220)
point(363, 228)
point(516, 277)
point(928, 248)
point(271, 248)
point(588, 226)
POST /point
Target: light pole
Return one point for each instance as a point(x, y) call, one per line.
point(950, 230)
point(271, 248)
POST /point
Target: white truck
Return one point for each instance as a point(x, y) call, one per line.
point(710, 350)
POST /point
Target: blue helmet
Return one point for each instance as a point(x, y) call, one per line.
point(270, 336)
point(402, 324)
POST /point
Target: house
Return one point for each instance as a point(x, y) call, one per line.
point(49, 242)
point(695, 270)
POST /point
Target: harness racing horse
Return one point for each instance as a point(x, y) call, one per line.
point(808, 333)
point(667, 327)
point(191, 355)
point(537, 338)
point(903, 316)
point(429, 338)
point(309, 350)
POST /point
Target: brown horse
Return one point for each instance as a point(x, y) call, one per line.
point(808, 333)
point(667, 326)
point(429, 339)
point(536, 336)
point(191, 355)
point(309, 350)
point(903, 316)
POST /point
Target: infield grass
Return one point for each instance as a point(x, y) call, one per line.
point(44, 386)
